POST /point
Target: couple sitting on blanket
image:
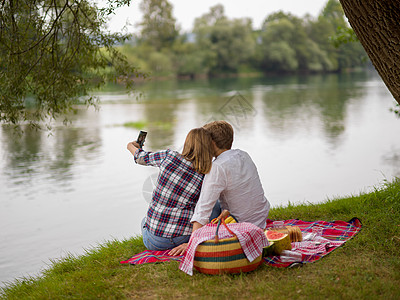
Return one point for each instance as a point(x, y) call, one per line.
point(192, 189)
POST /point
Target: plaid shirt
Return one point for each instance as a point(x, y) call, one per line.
point(176, 193)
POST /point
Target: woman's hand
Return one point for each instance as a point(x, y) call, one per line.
point(179, 250)
point(132, 147)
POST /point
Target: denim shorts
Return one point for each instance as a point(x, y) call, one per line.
point(153, 242)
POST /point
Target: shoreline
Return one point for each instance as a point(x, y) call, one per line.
point(366, 266)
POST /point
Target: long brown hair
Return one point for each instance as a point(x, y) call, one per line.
point(198, 150)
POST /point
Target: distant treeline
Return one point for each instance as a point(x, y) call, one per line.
point(218, 45)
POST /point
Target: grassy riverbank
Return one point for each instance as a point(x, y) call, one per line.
point(366, 267)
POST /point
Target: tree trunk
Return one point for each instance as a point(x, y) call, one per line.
point(377, 25)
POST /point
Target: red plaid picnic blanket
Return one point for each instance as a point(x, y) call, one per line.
point(251, 238)
point(336, 232)
point(149, 256)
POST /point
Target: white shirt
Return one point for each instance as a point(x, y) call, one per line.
point(234, 180)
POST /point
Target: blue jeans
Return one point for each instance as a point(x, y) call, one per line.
point(216, 211)
point(153, 242)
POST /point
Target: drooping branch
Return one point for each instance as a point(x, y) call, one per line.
point(53, 53)
point(54, 23)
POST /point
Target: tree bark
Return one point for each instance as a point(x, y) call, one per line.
point(377, 25)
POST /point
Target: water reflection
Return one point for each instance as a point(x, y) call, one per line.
point(392, 159)
point(32, 156)
point(71, 146)
point(162, 124)
point(287, 105)
point(21, 153)
point(186, 89)
point(307, 102)
point(168, 103)
point(236, 108)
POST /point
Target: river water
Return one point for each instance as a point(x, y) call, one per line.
point(312, 138)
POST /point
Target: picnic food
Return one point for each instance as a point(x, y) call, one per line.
point(230, 219)
point(294, 232)
point(269, 250)
point(279, 241)
point(224, 216)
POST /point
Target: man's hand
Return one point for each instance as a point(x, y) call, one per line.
point(196, 225)
point(179, 250)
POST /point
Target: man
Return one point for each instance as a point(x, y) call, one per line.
point(233, 180)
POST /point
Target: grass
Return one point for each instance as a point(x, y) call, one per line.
point(136, 125)
point(366, 267)
point(156, 125)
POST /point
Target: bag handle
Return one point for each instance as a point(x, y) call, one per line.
point(224, 214)
point(221, 220)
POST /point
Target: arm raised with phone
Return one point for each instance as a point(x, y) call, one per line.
point(167, 222)
point(138, 144)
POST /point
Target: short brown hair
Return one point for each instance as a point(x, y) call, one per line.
point(198, 150)
point(221, 133)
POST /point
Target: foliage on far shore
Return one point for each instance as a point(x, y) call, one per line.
point(218, 45)
point(54, 53)
point(366, 267)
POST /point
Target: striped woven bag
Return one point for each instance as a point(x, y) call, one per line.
point(223, 256)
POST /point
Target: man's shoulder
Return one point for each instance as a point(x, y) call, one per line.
point(233, 154)
point(230, 158)
point(235, 160)
point(240, 152)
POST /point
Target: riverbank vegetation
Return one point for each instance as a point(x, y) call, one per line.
point(365, 267)
point(219, 46)
point(55, 53)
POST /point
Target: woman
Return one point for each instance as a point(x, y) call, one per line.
point(167, 223)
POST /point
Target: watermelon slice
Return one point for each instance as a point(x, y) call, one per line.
point(274, 235)
point(280, 241)
point(269, 250)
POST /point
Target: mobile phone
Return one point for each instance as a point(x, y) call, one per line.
point(141, 138)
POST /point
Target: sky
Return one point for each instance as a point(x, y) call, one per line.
point(185, 11)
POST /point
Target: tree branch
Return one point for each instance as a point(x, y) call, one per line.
point(46, 35)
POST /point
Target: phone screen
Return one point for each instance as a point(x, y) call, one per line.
point(141, 138)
